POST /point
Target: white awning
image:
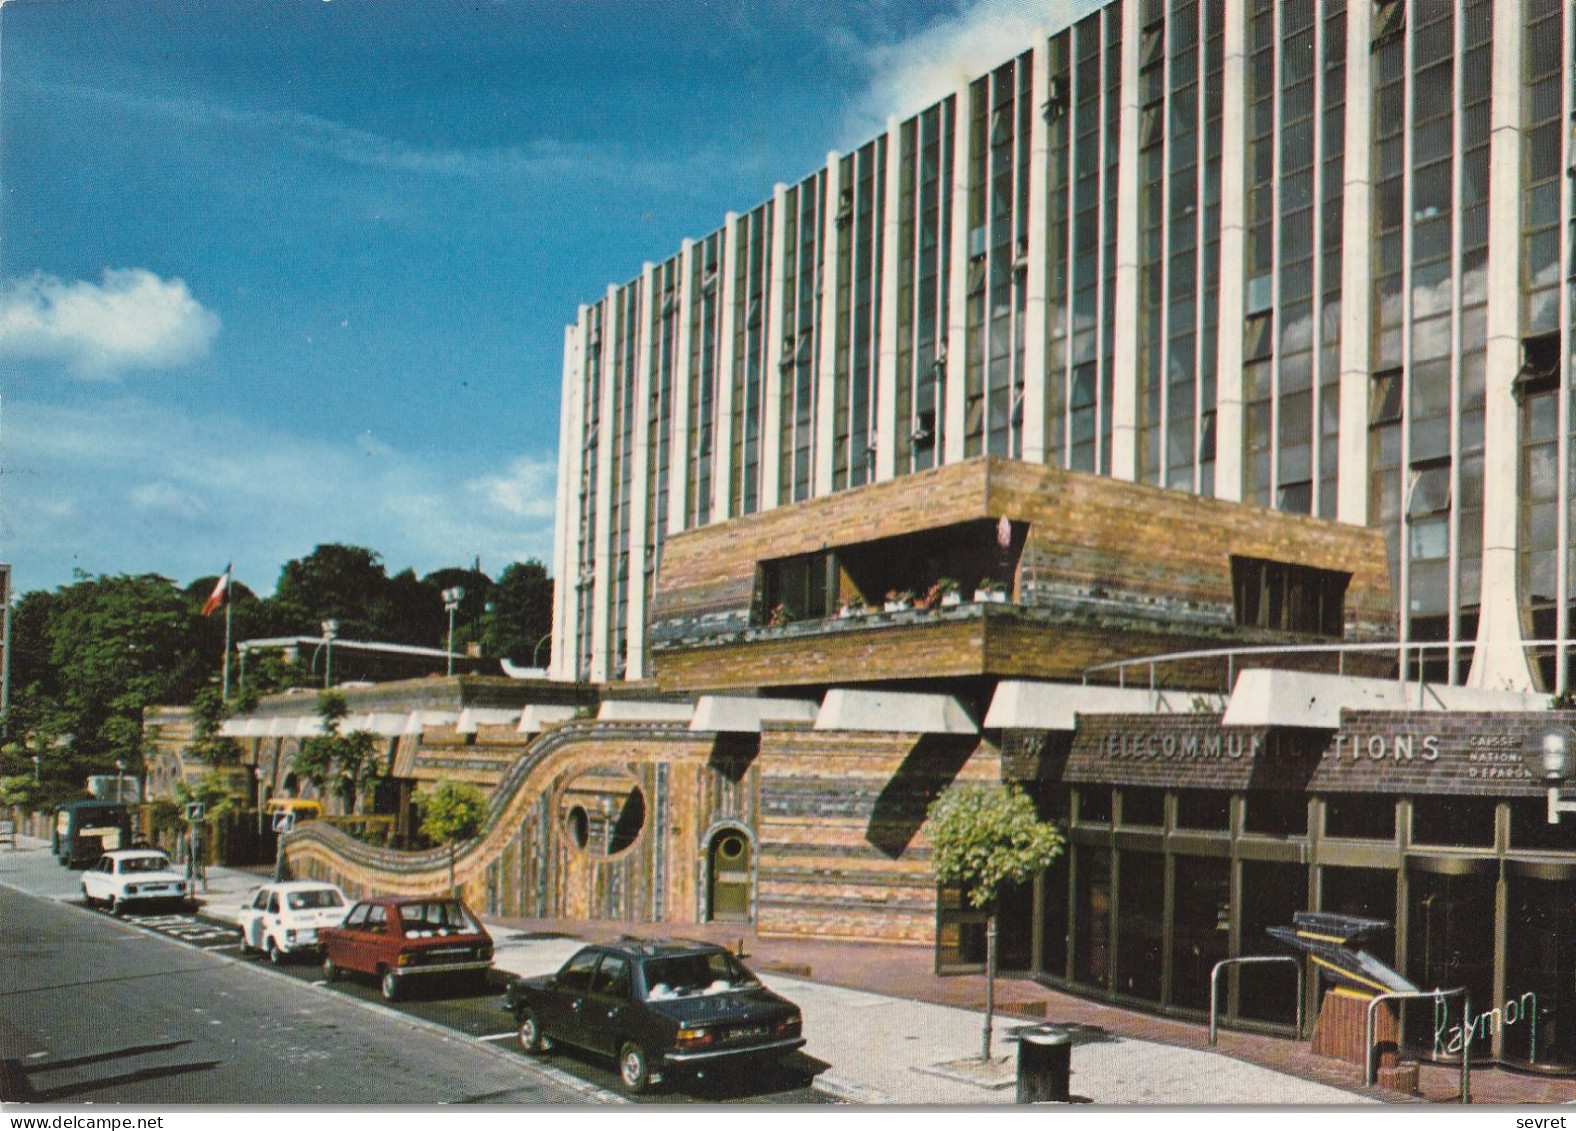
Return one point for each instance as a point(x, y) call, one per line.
point(901, 712)
point(1272, 697)
point(418, 721)
point(388, 724)
point(1032, 705)
point(739, 714)
point(641, 711)
point(539, 716)
point(473, 718)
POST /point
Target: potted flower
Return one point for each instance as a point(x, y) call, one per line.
point(948, 591)
point(989, 589)
point(853, 606)
point(899, 599)
point(781, 617)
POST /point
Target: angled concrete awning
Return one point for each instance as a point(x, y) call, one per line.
point(307, 726)
point(640, 711)
point(538, 716)
point(900, 712)
point(1035, 705)
point(739, 714)
point(418, 721)
point(471, 718)
point(1269, 697)
point(235, 728)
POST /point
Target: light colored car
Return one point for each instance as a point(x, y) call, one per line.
point(283, 919)
point(132, 876)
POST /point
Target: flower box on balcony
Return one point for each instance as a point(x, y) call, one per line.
point(994, 596)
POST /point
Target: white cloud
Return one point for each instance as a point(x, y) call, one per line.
point(909, 75)
point(131, 320)
point(116, 484)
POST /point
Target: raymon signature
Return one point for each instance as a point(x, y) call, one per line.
point(1448, 1038)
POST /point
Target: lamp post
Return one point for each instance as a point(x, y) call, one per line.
point(451, 601)
point(330, 630)
point(1549, 754)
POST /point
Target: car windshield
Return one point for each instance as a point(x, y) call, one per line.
point(443, 916)
point(689, 974)
point(145, 864)
point(310, 900)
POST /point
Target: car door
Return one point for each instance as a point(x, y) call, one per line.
point(378, 942)
point(95, 881)
point(605, 1013)
point(342, 946)
point(270, 921)
point(563, 1007)
point(250, 917)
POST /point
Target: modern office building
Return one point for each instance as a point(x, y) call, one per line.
point(1173, 421)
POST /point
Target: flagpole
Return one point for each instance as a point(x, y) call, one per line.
point(228, 604)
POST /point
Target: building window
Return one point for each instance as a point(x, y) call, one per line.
point(796, 586)
point(1384, 400)
point(1288, 598)
point(1359, 816)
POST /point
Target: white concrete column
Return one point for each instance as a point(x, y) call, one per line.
point(1124, 353)
point(727, 435)
point(774, 328)
point(1357, 272)
point(641, 551)
point(950, 449)
point(566, 519)
point(679, 452)
point(823, 447)
point(602, 594)
point(1033, 377)
point(888, 410)
point(1499, 659)
point(1233, 230)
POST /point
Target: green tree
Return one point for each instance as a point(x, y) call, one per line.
point(987, 837)
point(333, 582)
point(208, 746)
point(468, 618)
point(347, 763)
point(519, 614)
point(453, 813)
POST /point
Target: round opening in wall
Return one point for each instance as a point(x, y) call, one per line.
point(578, 825)
point(731, 847)
point(603, 811)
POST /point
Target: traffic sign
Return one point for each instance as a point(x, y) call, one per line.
point(284, 822)
point(195, 811)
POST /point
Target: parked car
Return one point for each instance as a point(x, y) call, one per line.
point(132, 876)
point(398, 939)
point(655, 1006)
point(284, 919)
point(85, 830)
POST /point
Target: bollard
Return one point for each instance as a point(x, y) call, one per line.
point(1045, 1065)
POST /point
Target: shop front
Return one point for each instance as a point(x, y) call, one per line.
point(1188, 839)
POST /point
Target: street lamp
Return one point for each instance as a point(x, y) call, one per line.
point(330, 630)
point(451, 601)
point(1549, 754)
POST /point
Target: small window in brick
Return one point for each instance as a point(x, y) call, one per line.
point(1288, 598)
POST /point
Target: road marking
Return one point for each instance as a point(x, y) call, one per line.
point(498, 1037)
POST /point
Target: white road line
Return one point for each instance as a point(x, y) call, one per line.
point(498, 1037)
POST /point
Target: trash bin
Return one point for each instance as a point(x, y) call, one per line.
point(1045, 1065)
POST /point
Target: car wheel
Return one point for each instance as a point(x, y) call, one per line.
point(634, 1070)
point(391, 986)
point(330, 970)
point(115, 907)
point(275, 955)
point(531, 1038)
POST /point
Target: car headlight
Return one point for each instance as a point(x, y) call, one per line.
point(131, 889)
point(405, 959)
point(290, 935)
point(787, 1025)
point(695, 1038)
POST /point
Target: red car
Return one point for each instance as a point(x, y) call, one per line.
point(397, 939)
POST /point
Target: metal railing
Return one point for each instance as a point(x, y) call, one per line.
point(1214, 986)
point(1419, 995)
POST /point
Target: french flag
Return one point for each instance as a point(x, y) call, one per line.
point(216, 598)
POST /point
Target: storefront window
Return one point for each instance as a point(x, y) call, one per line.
point(1092, 954)
point(1530, 828)
point(1540, 958)
point(1365, 892)
point(1094, 803)
point(1450, 942)
point(1465, 822)
point(1140, 924)
point(1054, 927)
point(1143, 807)
point(1276, 814)
point(1201, 932)
point(1270, 894)
point(1204, 809)
point(1363, 816)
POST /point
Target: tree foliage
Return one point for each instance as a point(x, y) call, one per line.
point(988, 836)
point(452, 812)
point(208, 746)
point(520, 613)
point(345, 764)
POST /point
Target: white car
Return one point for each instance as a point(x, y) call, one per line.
point(131, 876)
point(283, 919)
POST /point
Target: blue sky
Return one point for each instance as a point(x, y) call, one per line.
point(285, 272)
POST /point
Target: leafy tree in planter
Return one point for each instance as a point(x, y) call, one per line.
point(985, 838)
point(347, 762)
point(453, 812)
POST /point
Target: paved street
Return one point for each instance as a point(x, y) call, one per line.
point(862, 1047)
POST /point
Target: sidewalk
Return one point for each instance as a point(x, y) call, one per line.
point(891, 1031)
